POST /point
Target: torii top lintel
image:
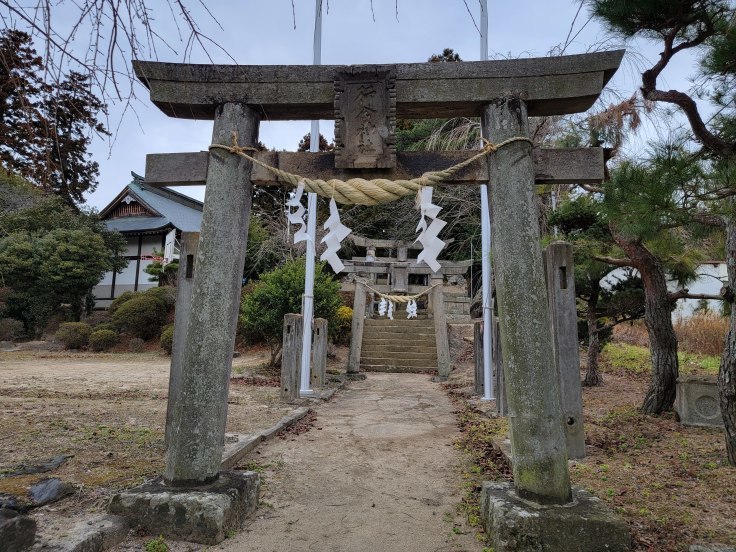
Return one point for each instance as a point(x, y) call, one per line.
point(550, 86)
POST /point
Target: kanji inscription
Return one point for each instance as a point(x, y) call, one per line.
point(365, 119)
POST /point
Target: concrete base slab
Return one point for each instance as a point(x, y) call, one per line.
point(203, 514)
point(17, 532)
point(517, 525)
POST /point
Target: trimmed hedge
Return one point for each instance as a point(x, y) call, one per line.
point(167, 339)
point(120, 301)
point(73, 335)
point(105, 326)
point(102, 340)
point(142, 316)
point(167, 294)
point(11, 329)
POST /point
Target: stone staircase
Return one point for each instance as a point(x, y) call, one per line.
point(398, 345)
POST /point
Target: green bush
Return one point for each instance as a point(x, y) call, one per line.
point(11, 329)
point(142, 315)
point(279, 292)
point(105, 326)
point(167, 338)
point(343, 325)
point(167, 294)
point(120, 301)
point(136, 345)
point(157, 545)
point(73, 335)
point(102, 340)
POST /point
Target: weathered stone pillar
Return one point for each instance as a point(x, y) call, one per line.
point(319, 352)
point(291, 357)
point(478, 356)
point(356, 332)
point(188, 243)
point(437, 301)
point(560, 276)
point(198, 419)
point(535, 418)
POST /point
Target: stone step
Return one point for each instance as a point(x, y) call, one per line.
point(397, 321)
point(396, 369)
point(396, 348)
point(428, 355)
point(404, 337)
point(406, 362)
point(400, 335)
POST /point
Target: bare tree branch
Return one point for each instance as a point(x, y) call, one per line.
point(685, 294)
point(613, 261)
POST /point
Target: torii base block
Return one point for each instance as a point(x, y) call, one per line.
point(584, 525)
point(205, 513)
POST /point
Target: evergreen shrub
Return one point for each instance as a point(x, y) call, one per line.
point(73, 335)
point(167, 339)
point(11, 329)
point(142, 316)
point(102, 340)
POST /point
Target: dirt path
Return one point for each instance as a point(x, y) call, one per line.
point(377, 472)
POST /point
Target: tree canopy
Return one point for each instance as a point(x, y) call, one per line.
point(50, 253)
point(45, 129)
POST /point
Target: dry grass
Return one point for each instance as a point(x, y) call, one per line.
point(701, 333)
point(672, 484)
point(633, 333)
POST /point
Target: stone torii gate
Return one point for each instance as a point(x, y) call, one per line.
point(365, 102)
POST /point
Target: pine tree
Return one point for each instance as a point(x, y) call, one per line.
point(710, 27)
point(582, 222)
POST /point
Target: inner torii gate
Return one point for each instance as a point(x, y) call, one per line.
point(503, 93)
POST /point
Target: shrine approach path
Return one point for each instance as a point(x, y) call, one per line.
point(376, 472)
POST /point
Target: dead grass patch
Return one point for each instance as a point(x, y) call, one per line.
point(672, 484)
point(702, 333)
point(108, 412)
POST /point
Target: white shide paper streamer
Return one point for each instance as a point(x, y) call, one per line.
point(297, 217)
point(337, 232)
point(429, 234)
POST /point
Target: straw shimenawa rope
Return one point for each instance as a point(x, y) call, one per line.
point(358, 191)
point(399, 298)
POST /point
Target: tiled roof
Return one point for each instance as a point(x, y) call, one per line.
point(174, 210)
point(138, 224)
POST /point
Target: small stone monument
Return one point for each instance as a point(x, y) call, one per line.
point(697, 402)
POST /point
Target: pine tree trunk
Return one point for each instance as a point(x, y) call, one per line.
point(727, 372)
point(660, 396)
point(592, 375)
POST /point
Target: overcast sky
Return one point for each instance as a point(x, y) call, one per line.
point(263, 33)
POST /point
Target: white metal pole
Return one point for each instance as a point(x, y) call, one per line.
point(484, 30)
point(487, 296)
point(308, 302)
point(485, 217)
